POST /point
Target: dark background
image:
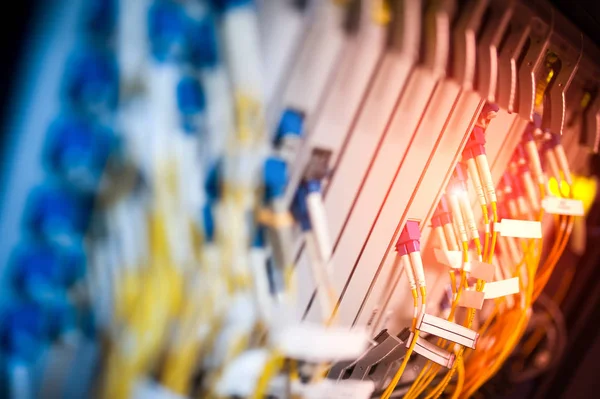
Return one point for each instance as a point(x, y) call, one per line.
point(17, 22)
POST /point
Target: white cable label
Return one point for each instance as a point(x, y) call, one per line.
point(146, 389)
point(519, 228)
point(563, 206)
point(501, 288)
point(482, 271)
point(324, 389)
point(452, 259)
point(431, 351)
point(471, 299)
point(241, 375)
point(467, 267)
point(448, 330)
point(315, 343)
point(346, 389)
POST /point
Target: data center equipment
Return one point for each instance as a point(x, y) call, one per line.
point(282, 198)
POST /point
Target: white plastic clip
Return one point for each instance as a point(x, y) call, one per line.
point(431, 351)
point(328, 389)
point(563, 206)
point(445, 329)
point(448, 258)
point(315, 343)
point(501, 288)
point(482, 271)
point(519, 228)
point(471, 299)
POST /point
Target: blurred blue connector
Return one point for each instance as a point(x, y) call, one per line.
point(299, 208)
point(291, 124)
point(100, 16)
point(275, 178)
point(202, 44)
point(259, 237)
point(24, 330)
point(213, 182)
point(77, 151)
point(45, 272)
point(191, 102)
point(166, 29)
point(58, 215)
point(227, 5)
point(209, 222)
point(92, 82)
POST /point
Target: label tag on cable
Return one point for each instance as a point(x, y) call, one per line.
point(448, 330)
point(146, 389)
point(431, 351)
point(519, 228)
point(482, 271)
point(323, 389)
point(240, 376)
point(563, 206)
point(471, 299)
point(501, 288)
point(346, 389)
point(315, 343)
point(448, 258)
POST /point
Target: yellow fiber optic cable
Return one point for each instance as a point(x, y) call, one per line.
point(390, 389)
point(505, 346)
point(461, 379)
point(429, 372)
point(274, 364)
point(423, 291)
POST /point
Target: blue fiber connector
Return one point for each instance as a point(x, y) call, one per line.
point(191, 101)
point(300, 209)
point(209, 222)
point(24, 330)
point(275, 176)
point(228, 5)
point(77, 151)
point(202, 45)
point(45, 272)
point(100, 16)
point(291, 123)
point(91, 82)
point(57, 215)
point(166, 29)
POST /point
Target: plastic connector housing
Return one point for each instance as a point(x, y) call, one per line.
point(299, 208)
point(291, 123)
point(409, 240)
point(476, 144)
point(447, 330)
point(432, 351)
point(318, 167)
point(275, 177)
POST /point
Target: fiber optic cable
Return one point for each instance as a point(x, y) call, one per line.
point(411, 259)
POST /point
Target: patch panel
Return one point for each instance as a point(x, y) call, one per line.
point(238, 191)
